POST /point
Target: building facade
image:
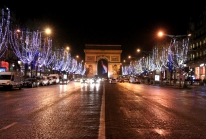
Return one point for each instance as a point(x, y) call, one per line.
point(197, 49)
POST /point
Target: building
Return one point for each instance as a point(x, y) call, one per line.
point(197, 49)
point(103, 60)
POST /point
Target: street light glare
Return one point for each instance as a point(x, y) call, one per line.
point(48, 31)
point(160, 34)
point(189, 35)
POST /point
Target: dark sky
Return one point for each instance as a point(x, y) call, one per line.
point(132, 25)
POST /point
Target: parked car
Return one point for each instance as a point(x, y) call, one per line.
point(50, 80)
point(45, 81)
point(126, 80)
point(31, 82)
point(134, 80)
point(11, 80)
point(40, 79)
point(121, 80)
point(55, 78)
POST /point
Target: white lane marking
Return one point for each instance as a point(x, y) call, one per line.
point(8, 126)
point(102, 116)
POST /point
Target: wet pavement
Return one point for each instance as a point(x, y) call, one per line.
point(155, 112)
point(111, 111)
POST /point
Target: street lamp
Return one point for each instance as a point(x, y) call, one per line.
point(19, 62)
point(160, 34)
point(48, 31)
point(40, 66)
point(13, 65)
point(139, 50)
point(77, 57)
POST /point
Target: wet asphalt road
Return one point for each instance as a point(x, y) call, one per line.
point(153, 112)
point(48, 112)
point(111, 111)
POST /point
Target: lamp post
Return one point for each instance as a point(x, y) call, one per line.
point(160, 34)
point(19, 62)
point(13, 65)
point(40, 69)
point(77, 56)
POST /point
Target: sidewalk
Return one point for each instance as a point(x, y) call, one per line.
point(198, 87)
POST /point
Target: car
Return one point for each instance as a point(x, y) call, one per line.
point(77, 79)
point(84, 80)
point(96, 80)
point(134, 80)
point(126, 80)
point(40, 79)
point(50, 80)
point(64, 81)
point(11, 80)
point(113, 81)
point(45, 81)
point(31, 82)
point(55, 79)
point(121, 80)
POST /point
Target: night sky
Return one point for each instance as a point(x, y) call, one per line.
point(132, 25)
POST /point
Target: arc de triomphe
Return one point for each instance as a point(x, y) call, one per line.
point(103, 60)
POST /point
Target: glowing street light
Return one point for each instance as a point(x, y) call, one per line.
point(147, 52)
point(48, 31)
point(160, 34)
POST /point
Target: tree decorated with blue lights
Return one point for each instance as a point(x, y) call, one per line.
point(67, 61)
point(170, 57)
point(163, 59)
point(45, 54)
point(124, 70)
point(177, 55)
point(138, 67)
point(25, 45)
point(58, 60)
point(4, 30)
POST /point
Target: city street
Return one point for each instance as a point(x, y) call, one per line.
point(99, 111)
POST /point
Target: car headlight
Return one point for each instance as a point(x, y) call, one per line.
point(8, 83)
